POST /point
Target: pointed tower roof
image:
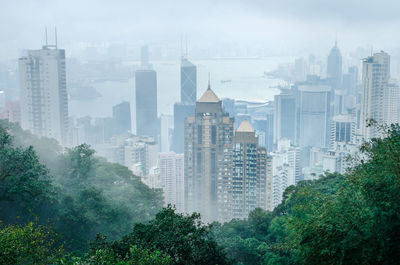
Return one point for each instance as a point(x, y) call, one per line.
point(186, 63)
point(209, 96)
point(245, 126)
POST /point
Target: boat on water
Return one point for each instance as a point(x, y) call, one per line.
point(226, 81)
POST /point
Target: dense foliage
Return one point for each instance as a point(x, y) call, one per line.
point(76, 193)
point(183, 237)
point(350, 219)
point(29, 244)
point(337, 219)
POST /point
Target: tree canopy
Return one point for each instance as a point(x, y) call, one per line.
point(73, 191)
point(338, 219)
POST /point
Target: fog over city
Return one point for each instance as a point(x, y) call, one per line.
point(199, 132)
point(271, 27)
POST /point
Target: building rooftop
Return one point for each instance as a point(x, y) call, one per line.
point(245, 126)
point(209, 97)
point(314, 88)
point(186, 63)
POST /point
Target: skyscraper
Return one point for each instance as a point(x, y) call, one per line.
point(208, 159)
point(121, 114)
point(188, 82)
point(334, 69)
point(285, 169)
point(146, 98)
point(392, 103)
point(375, 78)
point(181, 112)
point(264, 179)
point(187, 105)
point(314, 114)
point(249, 186)
point(350, 81)
point(43, 93)
point(171, 173)
point(285, 117)
point(166, 126)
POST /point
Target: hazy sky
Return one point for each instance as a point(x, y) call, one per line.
point(280, 27)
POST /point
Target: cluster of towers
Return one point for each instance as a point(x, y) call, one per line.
point(219, 170)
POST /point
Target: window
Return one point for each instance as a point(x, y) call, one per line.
point(199, 134)
point(198, 162)
point(213, 134)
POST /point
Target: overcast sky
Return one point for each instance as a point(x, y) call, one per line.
point(282, 27)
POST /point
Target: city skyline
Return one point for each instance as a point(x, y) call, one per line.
point(222, 157)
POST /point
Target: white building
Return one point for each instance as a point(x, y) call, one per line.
point(2, 100)
point(285, 169)
point(392, 103)
point(138, 153)
point(143, 150)
point(167, 127)
point(375, 92)
point(171, 167)
point(343, 129)
point(43, 93)
point(337, 158)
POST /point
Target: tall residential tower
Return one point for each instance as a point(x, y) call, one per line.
point(208, 159)
point(374, 94)
point(43, 93)
point(249, 186)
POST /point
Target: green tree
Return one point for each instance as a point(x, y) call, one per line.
point(183, 237)
point(79, 194)
point(360, 222)
point(99, 197)
point(29, 244)
point(25, 183)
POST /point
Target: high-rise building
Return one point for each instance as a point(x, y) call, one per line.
point(121, 114)
point(181, 112)
point(140, 151)
point(166, 128)
point(350, 80)
point(314, 114)
point(2, 100)
point(343, 129)
point(208, 159)
point(334, 68)
point(11, 112)
point(43, 93)
point(146, 98)
point(244, 186)
point(374, 95)
point(264, 179)
point(299, 69)
point(186, 107)
point(285, 119)
point(249, 188)
point(285, 169)
point(392, 103)
point(188, 82)
point(172, 175)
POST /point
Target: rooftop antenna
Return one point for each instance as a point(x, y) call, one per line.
point(45, 32)
point(182, 56)
point(55, 35)
point(209, 86)
point(186, 51)
point(336, 40)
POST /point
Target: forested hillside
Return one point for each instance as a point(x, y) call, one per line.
point(74, 192)
point(75, 208)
